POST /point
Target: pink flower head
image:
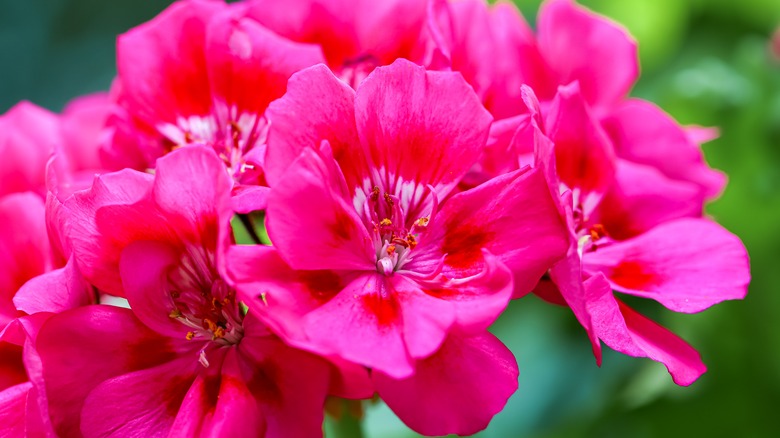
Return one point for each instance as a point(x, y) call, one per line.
point(375, 260)
point(572, 47)
point(199, 73)
point(185, 359)
point(671, 254)
point(356, 36)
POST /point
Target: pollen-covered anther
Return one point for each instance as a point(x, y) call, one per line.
point(422, 222)
point(390, 249)
point(175, 313)
point(597, 232)
point(389, 200)
point(190, 336)
point(386, 222)
point(375, 193)
point(219, 333)
point(412, 241)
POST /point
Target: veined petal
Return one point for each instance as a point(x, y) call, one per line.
point(351, 325)
point(24, 247)
point(643, 133)
point(71, 343)
point(582, 46)
point(316, 107)
point(418, 126)
point(141, 403)
point(311, 222)
point(584, 156)
point(248, 65)
point(512, 216)
point(288, 385)
point(162, 64)
point(55, 291)
point(642, 197)
point(628, 332)
point(458, 390)
point(687, 265)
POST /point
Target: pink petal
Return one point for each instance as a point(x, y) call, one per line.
point(83, 347)
point(512, 216)
point(28, 136)
point(82, 123)
point(312, 223)
point(246, 199)
point(584, 157)
point(582, 46)
point(190, 187)
point(628, 332)
point(145, 267)
point(643, 133)
point(419, 126)
point(162, 64)
point(480, 300)
point(326, 23)
point(567, 276)
point(642, 197)
point(279, 295)
point(56, 291)
point(351, 325)
point(317, 107)
point(687, 265)
point(141, 403)
point(13, 409)
point(458, 390)
point(24, 247)
point(288, 384)
point(11, 368)
point(426, 318)
point(98, 224)
point(248, 65)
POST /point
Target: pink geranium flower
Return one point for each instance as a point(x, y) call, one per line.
point(199, 73)
point(185, 358)
point(571, 45)
point(662, 249)
point(376, 261)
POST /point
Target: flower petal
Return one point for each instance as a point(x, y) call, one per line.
point(419, 126)
point(643, 133)
point(55, 291)
point(642, 197)
point(687, 265)
point(628, 332)
point(141, 403)
point(316, 107)
point(311, 222)
point(582, 46)
point(512, 216)
point(248, 65)
point(83, 347)
point(584, 157)
point(458, 390)
point(162, 64)
point(351, 325)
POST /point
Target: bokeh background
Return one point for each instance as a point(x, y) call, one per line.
point(706, 62)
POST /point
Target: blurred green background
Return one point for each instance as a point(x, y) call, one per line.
point(706, 62)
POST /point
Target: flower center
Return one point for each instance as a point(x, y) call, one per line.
point(393, 239)
point(205, 303)
point(232, 135)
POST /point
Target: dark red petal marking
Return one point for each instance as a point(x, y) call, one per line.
point(632, 275)
point(463, 244)
point(322, 285)
point(385, 309)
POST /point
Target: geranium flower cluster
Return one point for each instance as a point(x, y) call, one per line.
point(417, 164)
